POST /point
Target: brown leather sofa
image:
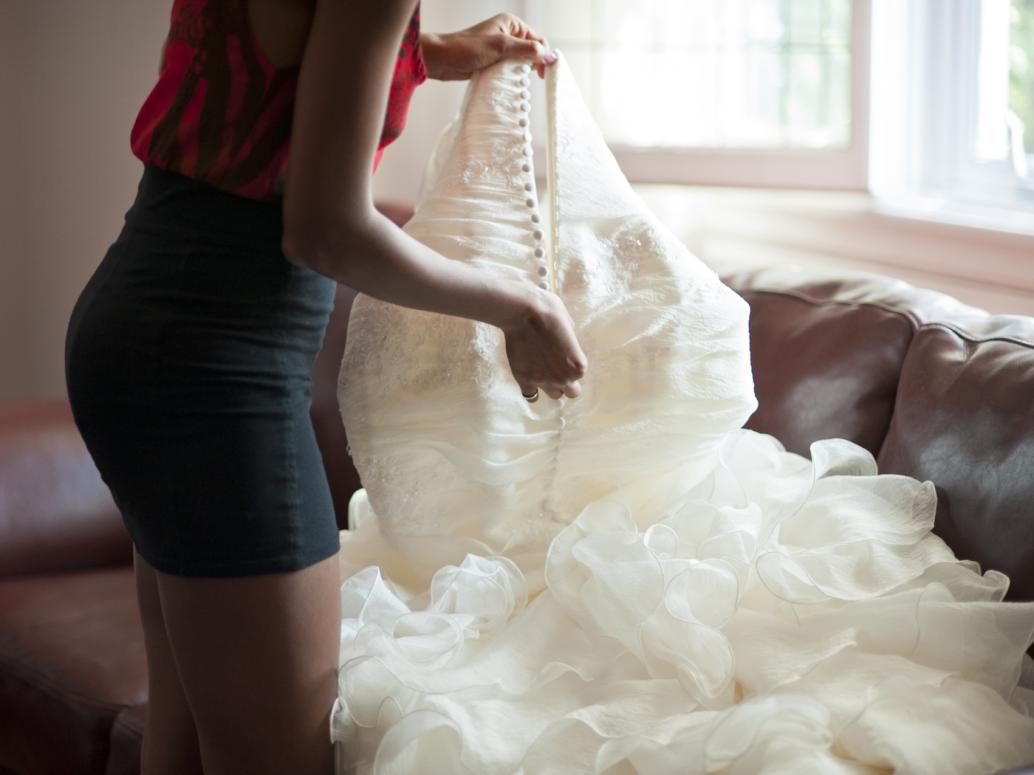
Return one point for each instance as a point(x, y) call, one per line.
point(933, 388)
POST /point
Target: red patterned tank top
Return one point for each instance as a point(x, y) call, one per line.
point(221, 112)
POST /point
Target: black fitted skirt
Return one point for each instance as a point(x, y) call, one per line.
point(187, 360)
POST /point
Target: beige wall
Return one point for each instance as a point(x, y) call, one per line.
point(73, 76)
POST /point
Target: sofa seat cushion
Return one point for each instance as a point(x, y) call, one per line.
point(71, 658)
point(55, 511)
point(127, 736)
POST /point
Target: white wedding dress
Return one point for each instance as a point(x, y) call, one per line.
point(629, 581)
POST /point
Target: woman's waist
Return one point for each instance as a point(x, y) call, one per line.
point(172, 205)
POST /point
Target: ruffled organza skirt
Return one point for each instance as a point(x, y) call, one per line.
point(784, 615)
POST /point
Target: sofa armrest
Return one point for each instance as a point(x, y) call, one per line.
point(55, 511)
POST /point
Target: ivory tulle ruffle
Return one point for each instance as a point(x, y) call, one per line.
point(630, 581)
point(787, 616)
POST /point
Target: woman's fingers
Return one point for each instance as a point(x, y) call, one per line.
point(520, 48)
point(524, 43)
point(543, 350)
point(457, 55)
point(570, 390)
point(519, 28)
point(527, 389)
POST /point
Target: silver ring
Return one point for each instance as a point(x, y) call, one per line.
point(533, 397)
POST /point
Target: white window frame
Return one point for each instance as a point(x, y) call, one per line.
point(915, 170)
point(836, 168)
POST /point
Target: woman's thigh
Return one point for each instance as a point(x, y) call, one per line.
point(257, 658)
point(170, 737)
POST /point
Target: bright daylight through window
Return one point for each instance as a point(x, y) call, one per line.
point(738, 92)
point(737, 73)
point(929, 103)
point(1020, 115)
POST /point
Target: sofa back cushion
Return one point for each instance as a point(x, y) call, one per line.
point(964, 418)
point(826, 356)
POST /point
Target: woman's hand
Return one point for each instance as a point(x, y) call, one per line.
point(543, 349)
point(454, 56)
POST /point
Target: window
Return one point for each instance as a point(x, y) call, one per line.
point(929, 104)
point(748, 92)
point(1006, 113)
point(953, 88)
point(1021, 78)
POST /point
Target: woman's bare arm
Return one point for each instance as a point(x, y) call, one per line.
point(331, 225)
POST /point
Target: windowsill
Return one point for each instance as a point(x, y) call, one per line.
point(731, 228)
point(997, 222)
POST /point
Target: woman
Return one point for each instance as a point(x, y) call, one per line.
point(188, 352)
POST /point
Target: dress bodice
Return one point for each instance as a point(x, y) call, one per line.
point(439, 433)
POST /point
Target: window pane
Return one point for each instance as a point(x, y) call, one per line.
point(806, 20)
point(1021, 66)
point(711, 73)
point(816, 106)
point(754, 97)
point(837, 28)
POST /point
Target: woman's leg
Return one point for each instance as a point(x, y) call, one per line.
point(257, 657)
point(170, 745)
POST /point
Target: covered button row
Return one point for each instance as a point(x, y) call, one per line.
point(523, 106)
